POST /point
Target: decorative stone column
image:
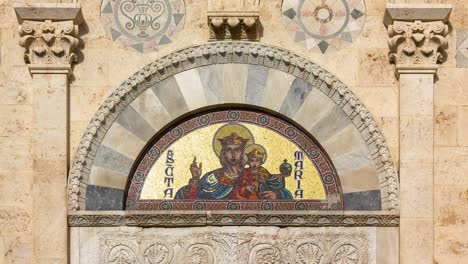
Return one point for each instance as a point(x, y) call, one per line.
point(49, 34)
point(417, 42)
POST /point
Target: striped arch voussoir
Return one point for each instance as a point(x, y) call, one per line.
point(234, 53)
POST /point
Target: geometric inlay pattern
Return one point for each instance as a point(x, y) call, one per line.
point(324, 25)
point(143, 25)
point(462, 49)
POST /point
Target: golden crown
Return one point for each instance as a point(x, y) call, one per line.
point(233, 139)
point(255, 153)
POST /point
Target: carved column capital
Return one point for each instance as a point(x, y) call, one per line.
point(417, 36)
point(49, 33)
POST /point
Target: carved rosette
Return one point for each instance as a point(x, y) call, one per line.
point(417, 43)
point(48, 42)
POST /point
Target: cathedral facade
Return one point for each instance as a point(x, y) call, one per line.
point(233, 131)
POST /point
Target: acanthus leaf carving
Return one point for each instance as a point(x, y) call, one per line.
point(245, 245)
point(417, 42)
point(49, 42)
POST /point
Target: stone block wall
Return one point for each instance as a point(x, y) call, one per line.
point(102, 66)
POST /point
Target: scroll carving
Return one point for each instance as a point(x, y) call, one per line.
point(48, 42)
point(265, 254)
point(346, 254)
point(200, 218)
point(209, 246)
point(199, 253)
point(417, 42)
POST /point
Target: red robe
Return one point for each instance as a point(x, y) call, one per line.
point(249, 178)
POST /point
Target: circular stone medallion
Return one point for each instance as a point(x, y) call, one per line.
point(324, 25)
point(143, 25)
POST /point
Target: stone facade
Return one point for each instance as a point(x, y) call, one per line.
point(35, 164)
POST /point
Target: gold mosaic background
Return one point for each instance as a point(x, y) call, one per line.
point(199, 144)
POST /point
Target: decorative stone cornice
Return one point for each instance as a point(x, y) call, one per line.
point(417, 36)
point(235, 20)
point(233, 218)
point(49, 33)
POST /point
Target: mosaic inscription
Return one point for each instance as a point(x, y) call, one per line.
point(324, 25)
point(143, 25)
point(235, 160)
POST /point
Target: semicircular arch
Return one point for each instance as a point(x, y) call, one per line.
point(239, 73)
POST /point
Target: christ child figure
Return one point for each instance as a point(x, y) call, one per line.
point(251, 178)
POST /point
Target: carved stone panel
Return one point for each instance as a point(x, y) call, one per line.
point(226, 245)
point(323, 26)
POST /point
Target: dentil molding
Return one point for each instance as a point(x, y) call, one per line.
point(417, 36)
point(49, 33)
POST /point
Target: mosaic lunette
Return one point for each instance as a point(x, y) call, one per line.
point(235, 160)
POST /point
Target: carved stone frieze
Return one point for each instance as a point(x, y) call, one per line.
point(49, 33)
point(241, 53)
point(227, 245)
point(214, 218)
point(417, 42)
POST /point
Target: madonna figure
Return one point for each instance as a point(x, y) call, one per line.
point(229, 144)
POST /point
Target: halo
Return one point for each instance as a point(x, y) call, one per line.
point(251, 147)
point(226, 130)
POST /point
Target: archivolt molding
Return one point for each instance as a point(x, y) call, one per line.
point(235, 53)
